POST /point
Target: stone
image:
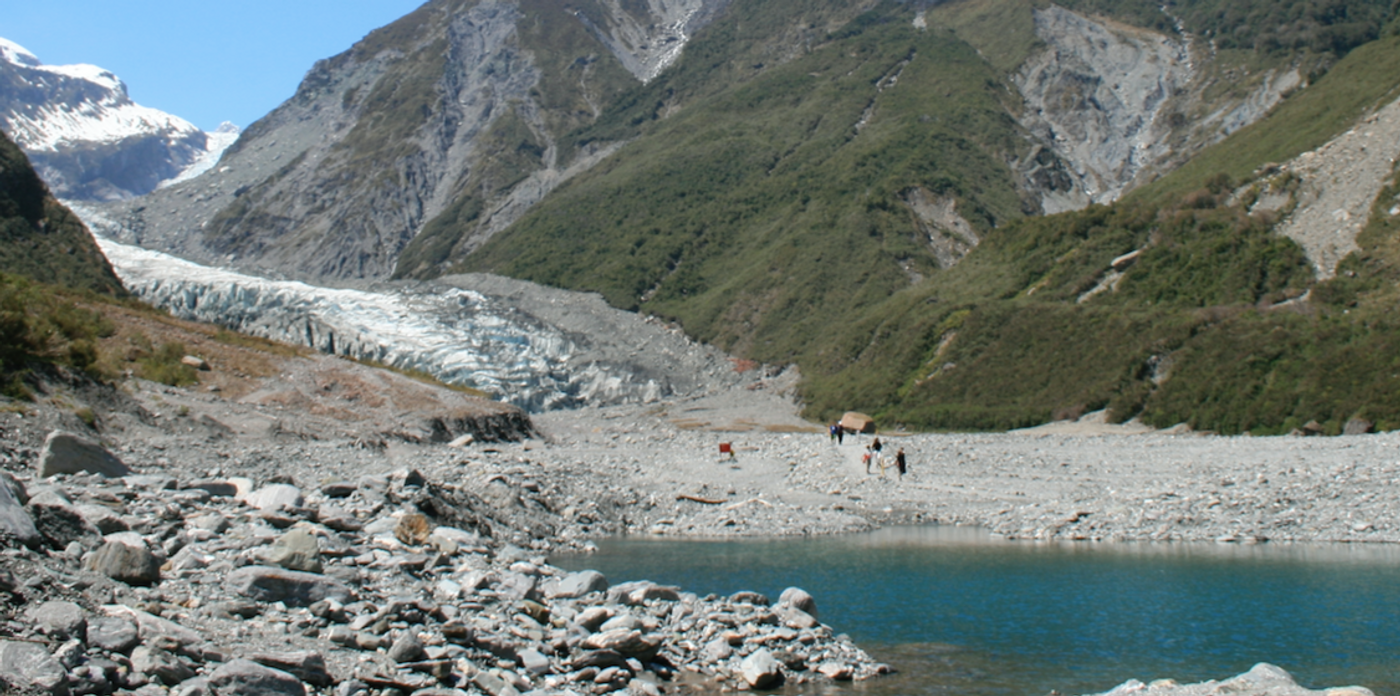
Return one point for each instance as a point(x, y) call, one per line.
point(195, 362)
point(494, 685)
point(642, 591)
point(247, 678)
point(59, 620)
point(836, 671)
point(199, 686)
point(413, 529)
point(593, 617)
point(28, 667)
point(407, 648)
point(1358, 426)
point(214, 487)
point(746, 597)
point(131, 565)
point(575, 585)
point(338, 489)
point(761, 670)
point(626, 642)
point(294, 588)
point(596, 658)
point(15, 522)
point(274, 496)
point(102, 518)
point(305, 665)
point(717, 650)
point(798, 598)
point(112, 634)
point(295, 550)
point(151, 628)
point(61, 525)
point(792, 617)
point(517, 586)
point(67, 453)
point(534, 661)
point(157, 664)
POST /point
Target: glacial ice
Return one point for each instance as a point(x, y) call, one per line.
point(459, 336)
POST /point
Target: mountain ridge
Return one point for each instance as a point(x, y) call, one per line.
point(88, 139)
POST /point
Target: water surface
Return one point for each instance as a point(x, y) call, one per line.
point(959, 612)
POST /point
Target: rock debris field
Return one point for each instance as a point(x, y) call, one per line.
point(203, 546)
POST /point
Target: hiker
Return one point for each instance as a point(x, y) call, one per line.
point(875, 448)
point(832, 431)
point(840, 433)
point(866, 459)
point(899, 463)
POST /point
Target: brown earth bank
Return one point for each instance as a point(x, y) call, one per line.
point(307, 516)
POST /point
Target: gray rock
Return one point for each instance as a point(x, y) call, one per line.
point(267, 584)
point(407, 648)
point(576, 585)
point(305, 665)
point(214, 487)
point(717, 650)
point(517, 586)
point(626, 642)
point(792, 617)
point(151, 628)
point(1358, 426)
point(640, 592)
point(61, 525)
point(275, 496)
point(247, 678)
point(798, 598)
point(746, 597)
point(29, 667)
point(761, 670)
point(160, 665)
point(129, 564)
point(151, 482)
point(104, 519)
point(59, 620)
point(534, 661)
point(199, 686)
point(295, 550)
point(66, 453)
point(15, 522)
point(494, 685)
point(112, 633)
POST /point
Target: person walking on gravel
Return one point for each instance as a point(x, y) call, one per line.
point(875, 448)
point(899, 463)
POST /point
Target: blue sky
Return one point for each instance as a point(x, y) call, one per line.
point(206, 62)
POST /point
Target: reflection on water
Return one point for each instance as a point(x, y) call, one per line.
point(957, 611)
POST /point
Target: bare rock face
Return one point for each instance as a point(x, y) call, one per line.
point(1094, 95)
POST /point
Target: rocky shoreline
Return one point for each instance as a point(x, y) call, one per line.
point(240, 558)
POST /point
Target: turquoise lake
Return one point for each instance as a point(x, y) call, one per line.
point(956, 611)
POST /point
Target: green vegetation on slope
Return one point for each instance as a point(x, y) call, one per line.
point(1198, 329)
point(776, 208)
point(39, 237)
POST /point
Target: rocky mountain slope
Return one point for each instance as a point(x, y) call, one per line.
point(86, 137)
point(858, 188)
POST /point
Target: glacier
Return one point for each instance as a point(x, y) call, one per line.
point(457, 335)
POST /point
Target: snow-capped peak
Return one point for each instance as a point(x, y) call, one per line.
point(86, 137)
point(12, 52)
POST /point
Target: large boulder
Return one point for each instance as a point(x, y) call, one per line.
point(798, 598)
point(67, 453)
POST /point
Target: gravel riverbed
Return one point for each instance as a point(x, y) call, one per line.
point(258, 549)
